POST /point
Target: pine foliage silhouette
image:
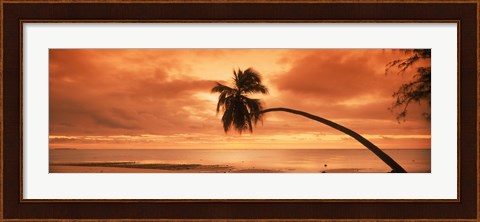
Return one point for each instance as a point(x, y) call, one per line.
point(416, 90)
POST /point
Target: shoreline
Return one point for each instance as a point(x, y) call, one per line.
point(233, 161)
point(135, 167)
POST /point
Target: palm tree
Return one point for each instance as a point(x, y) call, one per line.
point(242, 112)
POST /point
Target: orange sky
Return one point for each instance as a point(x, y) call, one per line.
point(161, 98)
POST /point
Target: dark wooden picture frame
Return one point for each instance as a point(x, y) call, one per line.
point(13, 13)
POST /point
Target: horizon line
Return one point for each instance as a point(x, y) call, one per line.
point(76, 148)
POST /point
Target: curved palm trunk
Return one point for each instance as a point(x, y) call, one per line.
point(377, 151)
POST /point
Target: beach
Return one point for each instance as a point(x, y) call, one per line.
point(132, 167)
point(232, 161)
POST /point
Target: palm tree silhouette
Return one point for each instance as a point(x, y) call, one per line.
point(242, 112)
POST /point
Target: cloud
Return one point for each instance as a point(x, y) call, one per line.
point(91, 94)
point(112, 122)
point(332, 75)
point(98, 93)
point(347, 86)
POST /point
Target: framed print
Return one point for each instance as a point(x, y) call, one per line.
point(152, 110)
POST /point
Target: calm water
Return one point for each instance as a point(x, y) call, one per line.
point(295, 161)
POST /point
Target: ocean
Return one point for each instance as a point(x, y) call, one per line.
point(251, 160)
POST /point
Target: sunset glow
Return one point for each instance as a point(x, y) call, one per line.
point(161, 99)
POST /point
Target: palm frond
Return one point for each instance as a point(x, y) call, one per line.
point(222, 99)
point(239, 78)
point(254, 107)
point(256, 88)
point(254, 75)
point(239, 111)
point(220, 88)
point(227, 118)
